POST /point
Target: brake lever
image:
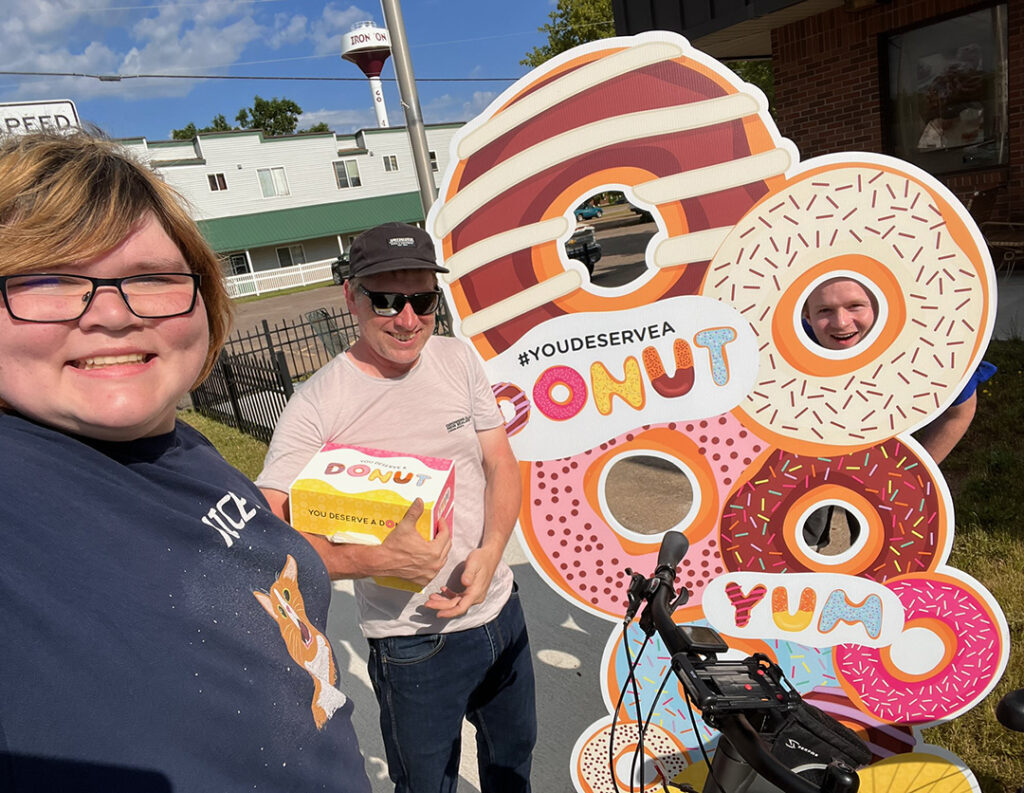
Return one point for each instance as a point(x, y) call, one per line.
point(635, 595)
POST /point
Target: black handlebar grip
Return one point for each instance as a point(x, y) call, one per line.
point(1010, 710)
point(673, 548)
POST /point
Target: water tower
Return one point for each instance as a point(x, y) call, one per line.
point(368, 46)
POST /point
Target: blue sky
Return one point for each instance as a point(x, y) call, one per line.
point(448, 39)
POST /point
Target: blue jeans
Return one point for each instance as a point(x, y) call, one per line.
point(426, 684)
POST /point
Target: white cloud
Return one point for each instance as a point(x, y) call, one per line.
point(287, 30)
point(325, 33)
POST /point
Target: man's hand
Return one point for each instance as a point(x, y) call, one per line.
point(407, 555)
point(470, 588)
point(404, 553)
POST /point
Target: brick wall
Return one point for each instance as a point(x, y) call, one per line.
point(828, 91)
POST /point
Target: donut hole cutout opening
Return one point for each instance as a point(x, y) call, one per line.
point(626, 232)
point(646, 493)
point(918, 651)
point(832, 532)
point(879, 305)
point(627, 768)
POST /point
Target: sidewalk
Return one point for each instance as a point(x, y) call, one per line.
point(1010, 308)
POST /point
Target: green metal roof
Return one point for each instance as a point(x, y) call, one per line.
point(285, 226)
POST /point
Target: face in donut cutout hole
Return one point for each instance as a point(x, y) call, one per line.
point(840, 315)
point(644, 493)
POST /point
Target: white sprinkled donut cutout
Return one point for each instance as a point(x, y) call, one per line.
point(898, 232)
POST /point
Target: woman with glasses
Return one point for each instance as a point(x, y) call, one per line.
point(162, 629)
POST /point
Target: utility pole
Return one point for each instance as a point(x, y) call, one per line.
point(410, 102)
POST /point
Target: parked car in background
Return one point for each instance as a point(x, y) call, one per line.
point(583, 247)
point(645, 216)
point(339, 269)
point(586, 212)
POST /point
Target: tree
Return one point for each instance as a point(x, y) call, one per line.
point(189, 131)
point(573, 22)
point(760, 74)
point(273, 116)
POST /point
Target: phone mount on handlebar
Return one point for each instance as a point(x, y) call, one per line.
point(752, 685)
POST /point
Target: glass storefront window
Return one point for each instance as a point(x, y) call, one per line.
point(947, 93)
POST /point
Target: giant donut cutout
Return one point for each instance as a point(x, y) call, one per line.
point(681, 136)
point(879, 220)
point(583, 552)
point(945, 662)
point(907, 519)
point(592, 771)
point(702, 361)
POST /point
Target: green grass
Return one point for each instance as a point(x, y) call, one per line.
point(986, 477)
point(242, 451)
point(984, 472)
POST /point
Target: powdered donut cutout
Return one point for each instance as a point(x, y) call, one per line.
point(942, 665)
point(590, 757)
point(573, 538)
point(880, 223)
point(682, 134)
point(907, 519)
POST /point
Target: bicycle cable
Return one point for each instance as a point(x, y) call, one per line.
point(647, 723)
point(700, 740)
point(630, 678)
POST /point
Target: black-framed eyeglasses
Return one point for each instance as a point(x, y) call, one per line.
point(59, 297)
point(390, 304)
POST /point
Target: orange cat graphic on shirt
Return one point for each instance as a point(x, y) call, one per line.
point(306, 645)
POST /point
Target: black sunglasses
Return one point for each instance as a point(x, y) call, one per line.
point(390, 304)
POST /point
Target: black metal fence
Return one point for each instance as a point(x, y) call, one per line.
point(256, 373)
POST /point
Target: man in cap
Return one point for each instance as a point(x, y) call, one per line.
point(459, 648)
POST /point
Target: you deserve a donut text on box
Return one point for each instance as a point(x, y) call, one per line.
point(351, 494)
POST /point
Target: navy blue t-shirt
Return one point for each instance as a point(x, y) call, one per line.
point(161, 629)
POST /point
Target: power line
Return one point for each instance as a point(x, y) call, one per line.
point(116, 78)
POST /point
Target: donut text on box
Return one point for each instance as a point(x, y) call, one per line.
point(351, 494)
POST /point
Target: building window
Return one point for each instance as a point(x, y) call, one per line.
point(347, 173)
point(947, 92)
point(238, 263)
point(293, 254)
point(217, 181)
point(433, 161)
point(390, 162)
point(272, 182)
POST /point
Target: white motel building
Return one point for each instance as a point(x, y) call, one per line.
point(279, 210)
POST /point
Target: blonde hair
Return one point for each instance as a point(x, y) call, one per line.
point(67, 198)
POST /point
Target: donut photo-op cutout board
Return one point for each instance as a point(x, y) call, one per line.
point(703, 362)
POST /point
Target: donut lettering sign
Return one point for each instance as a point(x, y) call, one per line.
point(709, 361)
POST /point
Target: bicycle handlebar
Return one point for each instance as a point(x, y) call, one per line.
point(673, 548)
point(687, 647)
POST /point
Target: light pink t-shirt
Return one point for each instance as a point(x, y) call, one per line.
point(436, 409)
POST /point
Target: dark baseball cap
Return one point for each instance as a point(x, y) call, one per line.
point(392, 246)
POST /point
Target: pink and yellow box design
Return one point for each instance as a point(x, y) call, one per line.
point(352, 494)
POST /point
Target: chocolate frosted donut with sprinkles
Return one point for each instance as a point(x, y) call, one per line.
point(907, 519)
